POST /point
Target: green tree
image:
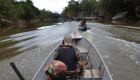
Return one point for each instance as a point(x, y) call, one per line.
point(29, 13)
point(88, 6)
point(75, 9)
point(115, 6)
point(23, 10)
point(17, 12)
point(72, 9)
point(5, 8)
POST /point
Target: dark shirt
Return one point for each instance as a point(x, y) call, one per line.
point(68, 56)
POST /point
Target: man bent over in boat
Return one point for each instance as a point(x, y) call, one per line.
point(83, 25)
point(69, 55)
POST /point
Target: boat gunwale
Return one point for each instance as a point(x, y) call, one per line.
point(43, 63)
point(100, 57)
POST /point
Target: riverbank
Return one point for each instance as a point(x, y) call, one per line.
point(21, 26)
point(129, 23)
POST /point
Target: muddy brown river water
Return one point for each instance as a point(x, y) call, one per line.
point(119, 46)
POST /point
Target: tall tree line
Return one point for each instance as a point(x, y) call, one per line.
point(95, 7)
point(23, 10)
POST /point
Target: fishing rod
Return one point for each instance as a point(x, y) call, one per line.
point(17, 71)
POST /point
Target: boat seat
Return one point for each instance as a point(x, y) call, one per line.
point(95, 75)
point(76, 35)
point(82, 50)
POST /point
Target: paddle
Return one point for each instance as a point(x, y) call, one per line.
point(16, 71)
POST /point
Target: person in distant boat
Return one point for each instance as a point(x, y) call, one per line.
point(83, 25)
point(56, 70)
point(68, 54)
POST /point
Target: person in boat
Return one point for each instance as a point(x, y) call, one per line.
point(83, 25)
point(56, 70)
point(68, 54)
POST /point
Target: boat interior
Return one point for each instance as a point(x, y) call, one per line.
point(94, 67)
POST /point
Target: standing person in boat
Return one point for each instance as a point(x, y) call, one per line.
point(56, 70)
point(83, 25)
point(68, 54)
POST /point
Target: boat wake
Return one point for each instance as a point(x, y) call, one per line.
point(127, 48)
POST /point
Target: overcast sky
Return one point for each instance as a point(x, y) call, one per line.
point(52, 5)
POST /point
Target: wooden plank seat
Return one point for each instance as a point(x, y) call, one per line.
point(94, 75)
point(82, 50)
point(76, 35)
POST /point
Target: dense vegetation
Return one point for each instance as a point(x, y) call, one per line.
point(102, 8)
point(13, 10)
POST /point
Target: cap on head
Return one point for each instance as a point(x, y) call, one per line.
point(67, 40)
point(56, 67)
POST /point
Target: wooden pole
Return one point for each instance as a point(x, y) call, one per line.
point(17, 71)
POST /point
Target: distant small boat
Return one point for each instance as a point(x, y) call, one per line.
point(83, 29)
point(94, 68)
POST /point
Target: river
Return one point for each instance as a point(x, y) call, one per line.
point(119, 46)
point(29, 49)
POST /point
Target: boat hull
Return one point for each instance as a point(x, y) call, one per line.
point(94, 59)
